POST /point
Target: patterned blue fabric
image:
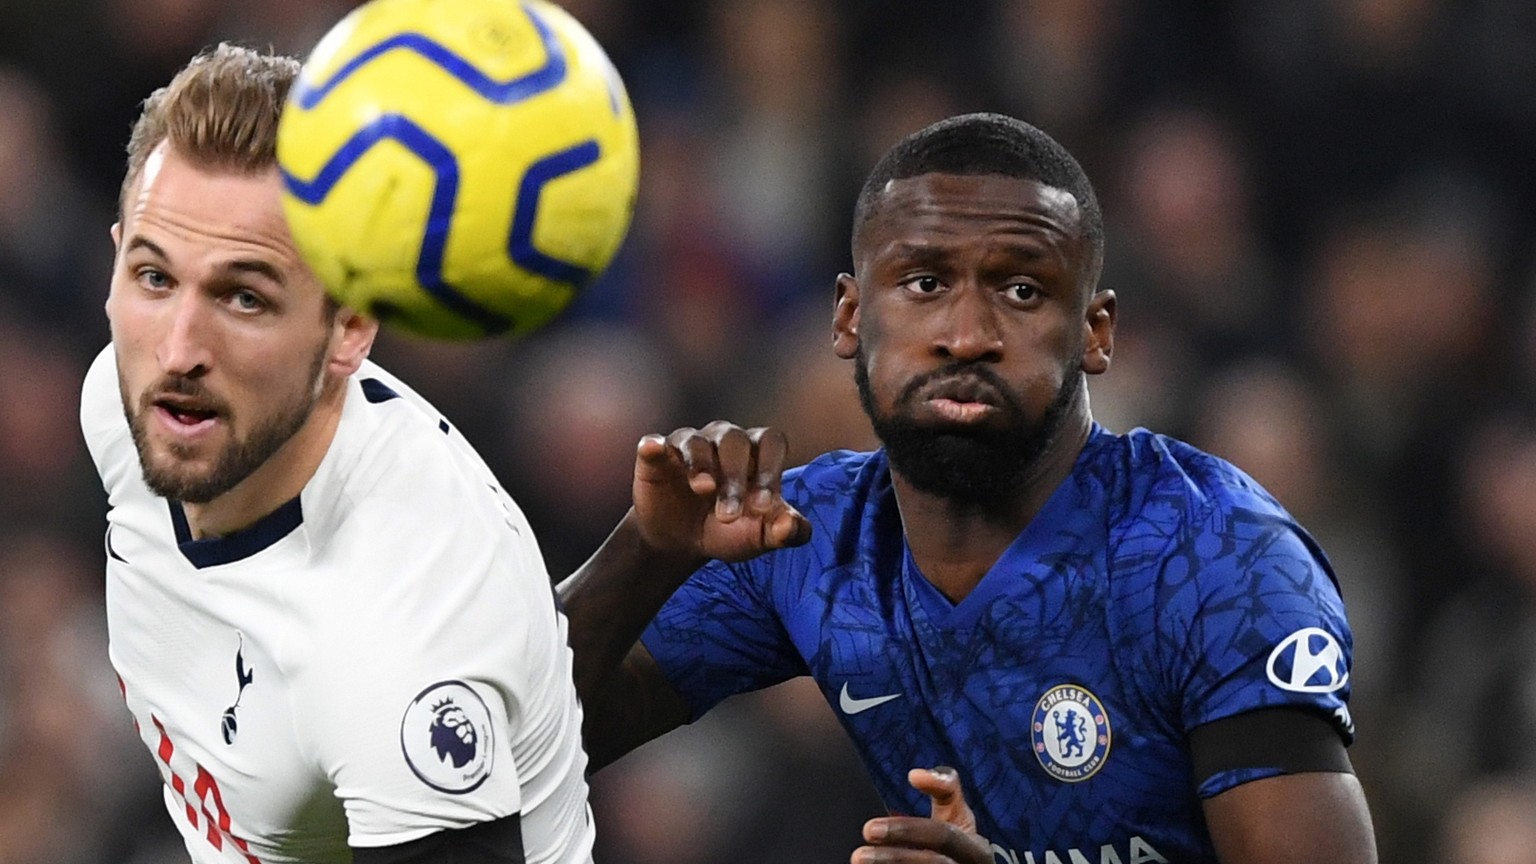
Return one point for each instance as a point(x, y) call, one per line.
point(1159, 589)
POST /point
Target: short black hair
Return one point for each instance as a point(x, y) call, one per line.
point(985, 143)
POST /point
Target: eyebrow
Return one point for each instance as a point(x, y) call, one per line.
point(238, 265)
point(258, 267)
point(136, 242)
point(931, 254)
point(921, 253)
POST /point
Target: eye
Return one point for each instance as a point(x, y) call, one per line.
point(246, 300)
point(923, 285)
point(1021, 292)
point(153, 279)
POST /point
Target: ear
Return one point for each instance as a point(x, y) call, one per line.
point(1099, 332)
point(117, 237)
point(845, 318)
point(352, 338)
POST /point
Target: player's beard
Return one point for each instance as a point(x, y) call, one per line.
point(981, 465)
point(240, 457)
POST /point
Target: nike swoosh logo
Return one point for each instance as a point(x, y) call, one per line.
point(851, 705)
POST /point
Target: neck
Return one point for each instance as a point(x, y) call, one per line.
point(279, 480)
point(955, 543)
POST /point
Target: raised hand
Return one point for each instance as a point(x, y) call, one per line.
point(714, 493)
point(947, 836)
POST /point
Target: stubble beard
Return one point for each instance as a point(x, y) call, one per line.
point(975, 467)
point(239, 459)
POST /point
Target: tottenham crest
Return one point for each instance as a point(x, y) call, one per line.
point(1071, 733)
point(446, 737)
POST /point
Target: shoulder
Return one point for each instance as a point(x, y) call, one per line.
point(1163, 472)
point(1196, 515)
point(101, 408)
point(404, 507)
point(396, 461)
point(102, 423)
point(1167, 487)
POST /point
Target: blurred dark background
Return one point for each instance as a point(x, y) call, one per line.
point(1321, 222)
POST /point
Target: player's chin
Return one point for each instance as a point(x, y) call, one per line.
point(182, 467)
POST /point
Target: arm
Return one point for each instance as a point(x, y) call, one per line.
point(1314, 810)
point(1259, 646)
point(626, 701)
point(1291, 819)
point(498, 842)
point(698, 495)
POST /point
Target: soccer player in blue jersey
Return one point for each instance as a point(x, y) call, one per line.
point(1127, 648)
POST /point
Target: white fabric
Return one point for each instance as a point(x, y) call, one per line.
point(411, 568)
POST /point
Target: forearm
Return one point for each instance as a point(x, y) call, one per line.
point(609, 600)
point(636, 705)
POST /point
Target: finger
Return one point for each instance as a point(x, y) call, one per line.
point(771, 447)
point(655, 458)
point(911, 832)
point(942, 786)
point(733, 454)
point(949, 841)
point(787, 528)
point(698, 458)
point(652, 448)
point(896, 855)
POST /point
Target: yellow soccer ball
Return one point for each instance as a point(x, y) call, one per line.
point(458, 168)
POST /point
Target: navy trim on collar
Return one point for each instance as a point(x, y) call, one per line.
point(377, 391)
point(237, 546)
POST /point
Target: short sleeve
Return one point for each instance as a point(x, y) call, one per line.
point(102, 423)
point(1251, 617)
point(721, 634)
point(431, 669)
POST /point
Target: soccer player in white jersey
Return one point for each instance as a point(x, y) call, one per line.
point(334, 631)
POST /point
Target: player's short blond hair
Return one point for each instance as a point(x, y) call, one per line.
point(220, 111)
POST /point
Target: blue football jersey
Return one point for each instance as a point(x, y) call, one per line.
point(1159, 589)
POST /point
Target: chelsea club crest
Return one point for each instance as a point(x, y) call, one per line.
point(1071, 733)
point(447, 739)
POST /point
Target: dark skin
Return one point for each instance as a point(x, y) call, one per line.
point(985, 270)
point(949, 269)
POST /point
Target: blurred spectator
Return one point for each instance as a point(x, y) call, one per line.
point(51, 242)
point(1185, 240)
point(808, 391)
point(1493, 823)
point(769, 161)
point(1472, 706)
point(66, 744)
point(1400, 320)
point(45, 473)
point(579, 402)
point(1056, 62)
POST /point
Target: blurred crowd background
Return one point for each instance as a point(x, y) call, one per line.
point(1321, 216)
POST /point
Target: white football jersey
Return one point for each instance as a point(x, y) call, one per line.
point(377, 660)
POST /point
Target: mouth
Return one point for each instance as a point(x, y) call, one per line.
point(962, 399)
point(959, 412)
point(183, 415)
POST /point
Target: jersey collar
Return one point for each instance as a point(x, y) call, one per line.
point(242, 544)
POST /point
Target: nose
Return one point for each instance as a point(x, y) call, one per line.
point(969, 329)
point(183, 351)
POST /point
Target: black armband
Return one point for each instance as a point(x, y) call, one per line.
point(1292, 740)
point(498, 842)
